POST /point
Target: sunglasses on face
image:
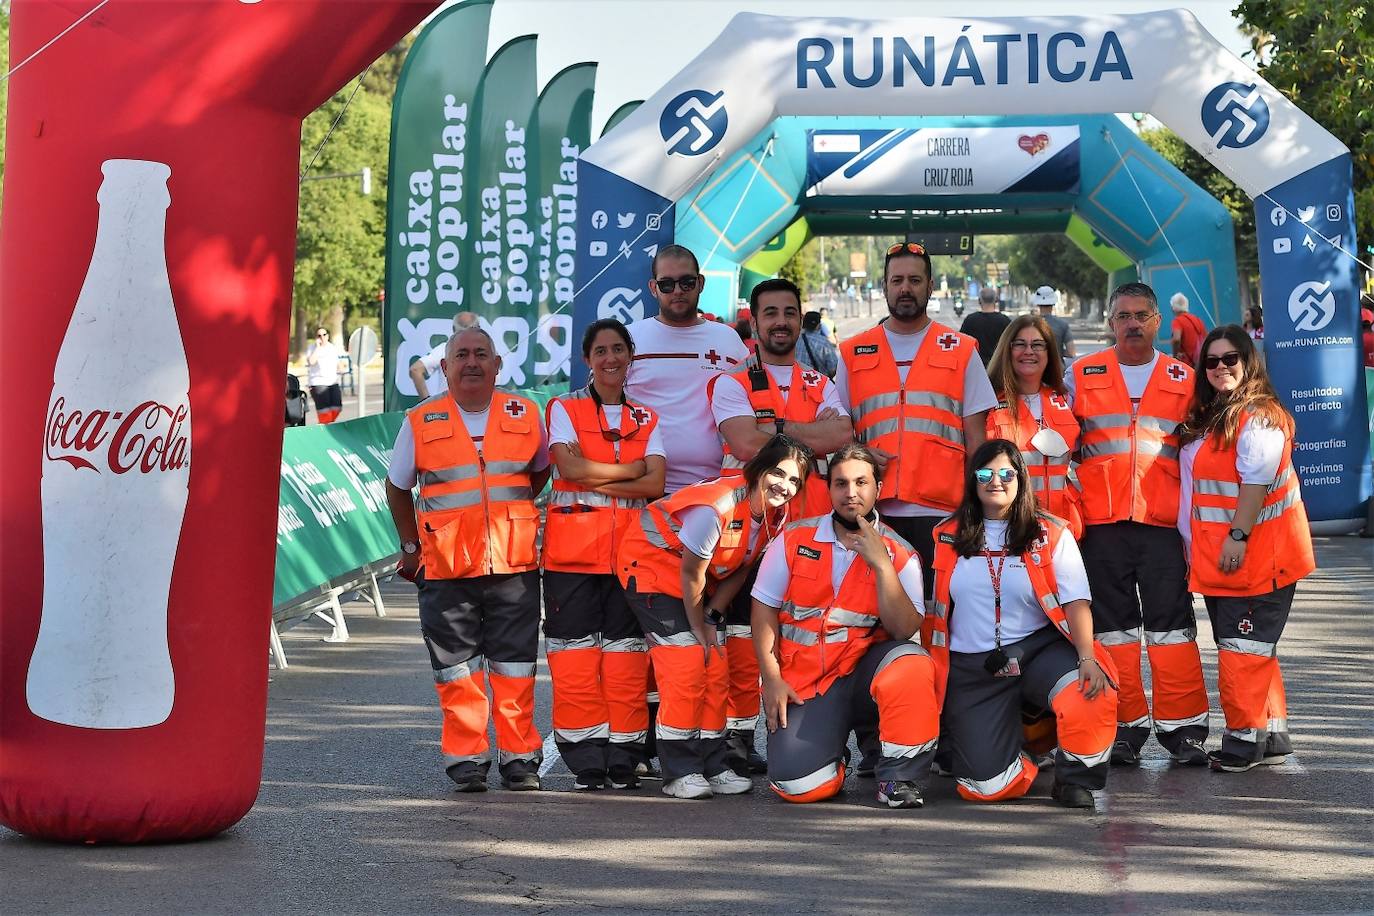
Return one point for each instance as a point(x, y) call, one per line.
point(1036, 346)
point(668, 284)
point(984, 475)
point(1226, 359)
point(910, 247)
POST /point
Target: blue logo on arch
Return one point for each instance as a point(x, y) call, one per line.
point(694, 122)
point(1235, 115)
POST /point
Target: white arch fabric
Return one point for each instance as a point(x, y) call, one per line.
point(1166, 63)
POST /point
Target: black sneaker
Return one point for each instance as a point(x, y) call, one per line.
point(589, 781)
point(1230, 763)
point(520, 776)
point(468, 777)
point(1071, 796)
point(1190, 753)
point(897, 794)
point(1123, 755)
point(622, 778)
point(757, 762)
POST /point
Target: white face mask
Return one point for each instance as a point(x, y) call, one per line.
point(1048, 442)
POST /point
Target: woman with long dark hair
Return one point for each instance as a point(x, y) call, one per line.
point(608, 463)
point(1242, 516)
point(1011, 625)
point(681, 562)
point(1027, 375)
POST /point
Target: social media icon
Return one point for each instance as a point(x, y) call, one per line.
point(652, 222)
point(1283, 245)
point(599, 219)
point(624, 220)
point(1308, 243)
point(1333, 213)
point(1306, 213)
point(597, 249)
point(1278, 216)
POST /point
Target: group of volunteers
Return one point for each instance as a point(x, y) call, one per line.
point(956, 564)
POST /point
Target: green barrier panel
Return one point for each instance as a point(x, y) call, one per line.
point(332, 515)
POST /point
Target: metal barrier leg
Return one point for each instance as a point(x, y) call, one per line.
point(335, 617)
point(376, 595)
point(278, 653)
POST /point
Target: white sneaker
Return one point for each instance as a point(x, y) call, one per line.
point(693, 785)
point(728, 782)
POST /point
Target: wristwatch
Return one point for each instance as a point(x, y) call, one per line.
point(1238, 535)
point(410, 548)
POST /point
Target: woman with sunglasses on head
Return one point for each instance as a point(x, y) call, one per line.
point(1027, 375)
point(608, 463)
point(1011, 624)
point(1242, 517)
point(681, 565)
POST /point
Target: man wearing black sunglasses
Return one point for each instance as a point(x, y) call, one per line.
point(676, 354)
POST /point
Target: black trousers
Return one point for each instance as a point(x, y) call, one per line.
point(919, 532)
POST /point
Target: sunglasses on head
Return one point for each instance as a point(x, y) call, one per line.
point(668, 284)
point(984, 475)
point(912, 247)
point(1226, 359)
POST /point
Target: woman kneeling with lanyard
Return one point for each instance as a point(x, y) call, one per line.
point(1011, 624)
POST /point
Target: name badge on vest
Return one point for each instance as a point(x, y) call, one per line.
point(865, 349)
point(431, 417)
point(810, 553)
point(946, 538)
point(735, 525)
point(1094, 370)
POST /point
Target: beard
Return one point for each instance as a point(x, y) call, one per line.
point(774, 348)
point(678, 311)
point(907, 308)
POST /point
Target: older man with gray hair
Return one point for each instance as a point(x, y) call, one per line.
point(425, 372)
point(1187, 330)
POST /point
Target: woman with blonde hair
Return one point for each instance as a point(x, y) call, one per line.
point(1033, 410)
point(1242, 517)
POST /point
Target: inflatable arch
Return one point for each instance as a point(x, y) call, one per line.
point(891, 176)
point(762, 68)
point(152, 167)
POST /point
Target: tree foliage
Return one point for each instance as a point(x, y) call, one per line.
point(1045, 259)
point(1206, 176)
point(805, 269)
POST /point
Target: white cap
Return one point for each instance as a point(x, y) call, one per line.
point(1045, 295)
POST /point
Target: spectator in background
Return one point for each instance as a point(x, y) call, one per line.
point(828, 327)
point(987, 324)
point(1367, 327)
point(815, 351)
point(746, 335)
point(1187, 330)
point(322, 375)
point(426, 373)
point(1254, 323)
point(1045, 298)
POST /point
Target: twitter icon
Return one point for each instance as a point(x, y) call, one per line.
point(624, 220)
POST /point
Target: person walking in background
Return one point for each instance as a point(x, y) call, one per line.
point(1033, 411)
point(1044, 299)
point(1367, 331)
point(986, 325)
point(681, 565)
point(1242, 515)
point(1012, 624)
point(815, 351)
point(322, 377)
point(608, 463)
point(1129, 401)
point(480, 457)
point(827, 326)
point(426, 373)
point(1186, 330)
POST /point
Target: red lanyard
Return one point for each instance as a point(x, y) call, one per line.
point(996, 576)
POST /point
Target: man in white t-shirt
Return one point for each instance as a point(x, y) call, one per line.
point(425, 372)
point(770, 394)
point(676, 354)
point(479, 457)
point(923, 413)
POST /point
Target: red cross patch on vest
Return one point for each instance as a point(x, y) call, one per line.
point(640, 415)
point(1177, 372)
point(515, 408)
point(947, 341)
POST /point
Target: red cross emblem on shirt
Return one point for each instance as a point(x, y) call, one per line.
point(1058, 400)
point(947, 341)
point(1245, 626)
point(712, 357)
point(1177, 372)
point(640, 415)
point(515, 408)
point(811, 378)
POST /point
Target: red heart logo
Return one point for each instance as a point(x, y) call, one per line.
point(1033, 145)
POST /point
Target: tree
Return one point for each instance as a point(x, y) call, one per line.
point(1046, 259)
point(805, 269)
point(1320, 53)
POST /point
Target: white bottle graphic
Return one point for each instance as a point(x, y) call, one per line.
point(116, 461)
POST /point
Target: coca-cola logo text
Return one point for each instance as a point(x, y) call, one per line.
point(148, 438)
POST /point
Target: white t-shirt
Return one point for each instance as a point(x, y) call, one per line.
point(561, 431)
point(770, 586)
point(435, 380)
point(978, 397)
point(970, 588)
point(701, 532)
point(730, 399)
point(670, 371)
point(402, 471)
point(1259, 451)
point(1137, 379)
point(325, 368)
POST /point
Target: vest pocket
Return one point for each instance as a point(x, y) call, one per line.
point(572, 538)
point(933, 473)
point(445, 549)
point(521, 532)
point(1095, 480)
point(1160, 486)
point(1207, 544)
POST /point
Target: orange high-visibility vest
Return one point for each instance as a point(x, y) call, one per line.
point(584, 527)
point(1039, 561)
point(805, 394)
point(1279, 551)
point(476, 512)
point(822, 634)
point(921, 422)
point(1056, 490)
point(651, 552)
point(1128, 462)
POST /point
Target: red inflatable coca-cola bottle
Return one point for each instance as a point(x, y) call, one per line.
point(135, 582)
